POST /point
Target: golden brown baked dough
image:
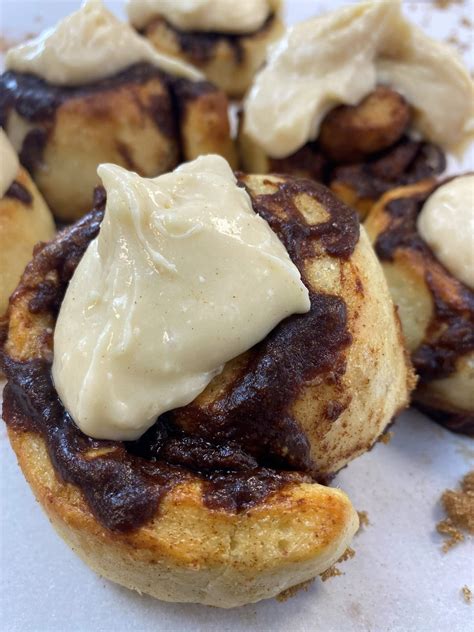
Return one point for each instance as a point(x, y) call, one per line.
point(189, 551)
point(24, 220)
point(436, 310)
point(140, 119)
point(361, 152)
point(229, 61)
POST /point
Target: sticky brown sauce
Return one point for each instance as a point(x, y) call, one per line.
point(244, 444)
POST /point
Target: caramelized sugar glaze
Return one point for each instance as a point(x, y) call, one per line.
point(243, 444)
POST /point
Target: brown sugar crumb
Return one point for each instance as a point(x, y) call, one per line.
point(459, 508)
point(445, 4)
point(293, 590)
point(466, 22)
point(333, 570)
point(385, 438)
point(467, 594)
point(348, 554)
point(467, 484)
point(453, 534)
point(363, 520)
point(459, 505)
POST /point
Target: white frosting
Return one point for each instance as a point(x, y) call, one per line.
point(221, 16)
point(340, 57)
point(87, 46)
point(9, 164)
point(182, 277)
point(446, 224)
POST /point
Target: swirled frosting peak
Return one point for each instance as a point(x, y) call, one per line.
point(182, 277)
point(340, 57)
point(89, 45)
point(222, 16)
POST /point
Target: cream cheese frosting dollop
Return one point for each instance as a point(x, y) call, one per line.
point(221, 16)
point(339, 58)
point(182, 277)
point(446, 224)
point(89, 45)
point(9, 164)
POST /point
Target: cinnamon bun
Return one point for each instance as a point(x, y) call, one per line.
point(222, 501)
point(24, 220)
point(227, 41)
point(436, 304)
point(91, 91)
point(362, 123)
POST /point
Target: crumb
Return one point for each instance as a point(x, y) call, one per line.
point(459, 508)
point(386, 437)
point(293, 590)
point(348, 554)
point(465, 21)
point(333, 571)
point(467, 594)
point(445, 4)
point(363, 520)
point(459, 505)
point(467, 484)
point(454, 535)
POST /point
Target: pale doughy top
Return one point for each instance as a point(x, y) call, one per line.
point(9, 164)
point(182, 277)
point(446, 224)
point(340, 57)
point(221, 16)
point(87, 46)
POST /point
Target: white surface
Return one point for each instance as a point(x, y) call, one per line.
point(399, 580)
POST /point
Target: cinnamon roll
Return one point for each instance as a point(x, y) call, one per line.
point(360, 123)
point(24, 220)
point(223, 499)
point(92, 90)
point(423, 235)
point(227, 41)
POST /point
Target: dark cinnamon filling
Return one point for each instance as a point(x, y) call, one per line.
point(403, 163)
point(241, 446)
point(17, 191)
